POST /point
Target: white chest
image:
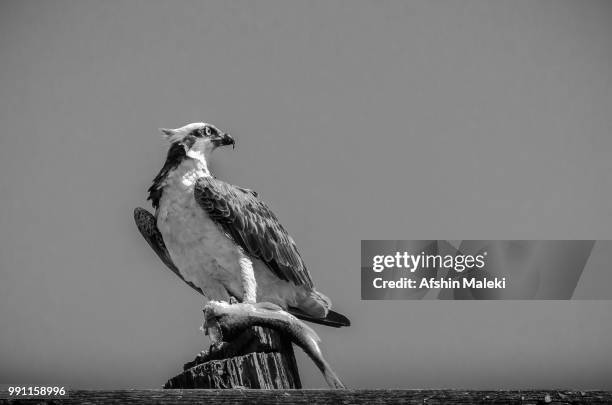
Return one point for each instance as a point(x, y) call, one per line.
point(198, 246)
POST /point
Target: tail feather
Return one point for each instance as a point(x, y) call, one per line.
point(333, 318)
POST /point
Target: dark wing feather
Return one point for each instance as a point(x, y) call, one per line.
point(253, 226)
point(148, 228)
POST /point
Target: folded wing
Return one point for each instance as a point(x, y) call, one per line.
point(253, 226)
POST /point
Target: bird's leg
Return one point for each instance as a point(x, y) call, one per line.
point(249, 285)
point(247, 275)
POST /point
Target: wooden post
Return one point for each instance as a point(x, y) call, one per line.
point(257, 358)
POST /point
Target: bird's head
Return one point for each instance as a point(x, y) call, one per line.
point(198, 139)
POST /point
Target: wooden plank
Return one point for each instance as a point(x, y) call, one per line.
point(309, 397)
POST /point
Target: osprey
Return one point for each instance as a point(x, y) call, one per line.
point(223, 240)
point(228, 245)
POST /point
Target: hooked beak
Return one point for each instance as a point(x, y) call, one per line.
point(226, 139)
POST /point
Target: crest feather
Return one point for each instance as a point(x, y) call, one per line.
point(171, 135)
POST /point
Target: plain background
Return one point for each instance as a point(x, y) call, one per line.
point(354, 120)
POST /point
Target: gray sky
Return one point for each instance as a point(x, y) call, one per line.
point(354, 120)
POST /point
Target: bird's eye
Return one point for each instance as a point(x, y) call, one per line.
point(208, 131)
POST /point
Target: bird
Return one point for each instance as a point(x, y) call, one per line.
point(223, 240)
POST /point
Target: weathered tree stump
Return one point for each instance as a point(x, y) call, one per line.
point(257, 358)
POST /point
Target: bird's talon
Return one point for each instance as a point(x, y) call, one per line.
point(216, 347)
point(213, 330)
